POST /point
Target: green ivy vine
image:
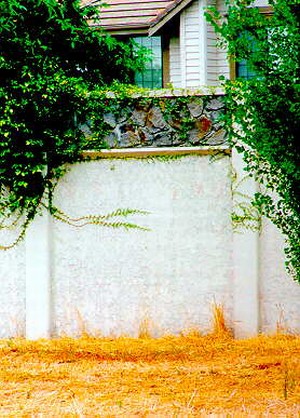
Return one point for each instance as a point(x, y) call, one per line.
point(53, 70)
point(263, 113)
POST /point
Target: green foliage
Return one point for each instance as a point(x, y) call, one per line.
point(51, 64)
point(113, 219)
point(264, 112)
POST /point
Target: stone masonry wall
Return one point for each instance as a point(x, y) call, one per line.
point(165, 122)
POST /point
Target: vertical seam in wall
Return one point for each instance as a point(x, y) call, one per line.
point(38, 286)
point(245, 258)
point(259, 272)
point(51, 278)
point(232, 283)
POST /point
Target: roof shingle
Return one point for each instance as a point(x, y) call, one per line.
point(124, 16)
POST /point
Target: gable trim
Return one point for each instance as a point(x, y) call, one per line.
point(166, 16)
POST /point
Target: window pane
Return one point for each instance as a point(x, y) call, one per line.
point(243, 70)
point(151, 77)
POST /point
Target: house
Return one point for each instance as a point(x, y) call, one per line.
point(184, 48)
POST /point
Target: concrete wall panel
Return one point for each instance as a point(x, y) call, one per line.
point(12, 295)
point(112, 280)
point(279, 293)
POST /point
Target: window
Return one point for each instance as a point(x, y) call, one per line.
point(277, 46)
point(151, 77)
point(243, 70)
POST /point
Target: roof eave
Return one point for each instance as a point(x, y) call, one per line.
point(126, 32)
point(115, 30)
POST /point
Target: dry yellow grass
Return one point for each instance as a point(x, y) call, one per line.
point(183, 376)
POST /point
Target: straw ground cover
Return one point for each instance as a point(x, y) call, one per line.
point(188, 375)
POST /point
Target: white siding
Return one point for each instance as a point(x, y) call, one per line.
point(195, 59)
point(175, 70)
point(261, 3)
point(193, 45)
point(221, 6)
point(212, 53)
point(217, 62)
point(201, 62)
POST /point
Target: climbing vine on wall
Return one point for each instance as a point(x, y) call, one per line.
point(51, 63)
point(263, 112)
point(58, 80)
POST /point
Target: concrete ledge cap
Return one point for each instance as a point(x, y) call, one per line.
point(152, 152)
point(176, 92)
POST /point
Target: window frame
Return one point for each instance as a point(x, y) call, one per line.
point(264, 10)
point(153, 82)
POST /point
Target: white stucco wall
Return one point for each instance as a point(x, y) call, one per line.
point(66, 280)
point(12, 294)
point(279, 293)
point(114, 279)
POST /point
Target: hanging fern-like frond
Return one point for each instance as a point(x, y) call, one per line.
point(101, 220)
